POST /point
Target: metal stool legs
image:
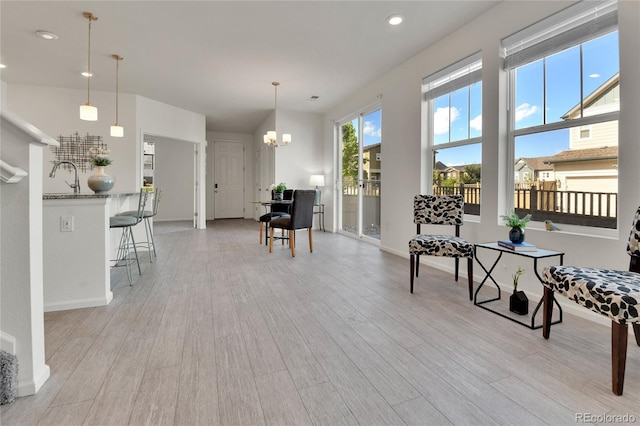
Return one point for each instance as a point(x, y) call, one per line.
point(124, 252)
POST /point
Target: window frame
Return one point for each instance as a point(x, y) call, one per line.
point(461, 74)
point(512, 64)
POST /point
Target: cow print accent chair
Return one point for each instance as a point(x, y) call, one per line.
point(614, 294)
point(440, 210)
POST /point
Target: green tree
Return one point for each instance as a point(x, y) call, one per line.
point(471, 174)
point(349, 152)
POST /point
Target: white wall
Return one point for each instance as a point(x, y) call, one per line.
point(249, 175)
point(174, 173)
point(404, 150)
point(21, 265)
point(296, 162)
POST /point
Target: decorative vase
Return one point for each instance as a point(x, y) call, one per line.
point(277, 196)
point(519, 303)
point(100, 182)
point(516, 235)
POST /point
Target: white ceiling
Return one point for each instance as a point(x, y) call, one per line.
point(218, 58)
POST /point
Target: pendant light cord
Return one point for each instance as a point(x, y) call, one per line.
point(89, 65)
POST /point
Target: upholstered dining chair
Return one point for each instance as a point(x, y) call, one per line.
point(440, 210)
point(276, 210)
point(614, 294)
point(146, 215)
point(301, 217)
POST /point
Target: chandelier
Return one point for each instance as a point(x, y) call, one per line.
point(271, 137)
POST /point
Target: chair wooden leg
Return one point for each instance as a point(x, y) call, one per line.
point(619, 335)
point(292, 242)
point(282, 239)
point(260, 232)
point(417, 264)
point(470, 274)
point(310, 240)
point(270, 239)
point(457, 268)
point(412, 265)
point(547, 311)
point(636, 331)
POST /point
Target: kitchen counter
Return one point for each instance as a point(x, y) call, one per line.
point(71, 196)
point(79, 245)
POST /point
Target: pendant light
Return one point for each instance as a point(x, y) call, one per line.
point(271, 137)
point(117, 131)
point(88, 112)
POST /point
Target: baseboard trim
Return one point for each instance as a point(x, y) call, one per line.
point(76, 304)
point(30, 387)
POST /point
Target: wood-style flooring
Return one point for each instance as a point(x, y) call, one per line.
point(219, 331)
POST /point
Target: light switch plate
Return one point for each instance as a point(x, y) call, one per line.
point(66, 223)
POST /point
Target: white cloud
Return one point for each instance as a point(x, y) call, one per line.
point(370, 130)
point(476, 123)
point(525, 110)
point(442, 118)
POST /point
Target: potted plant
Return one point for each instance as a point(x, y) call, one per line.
point(100, 182)
point(278, 191)
point(518, 302)
point(517, 225)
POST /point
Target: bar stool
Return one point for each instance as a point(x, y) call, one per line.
point(146, 214)
point(126, 239)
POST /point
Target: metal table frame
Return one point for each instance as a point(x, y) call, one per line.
point(535, 255)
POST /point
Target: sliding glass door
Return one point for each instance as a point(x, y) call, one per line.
point(360, 142)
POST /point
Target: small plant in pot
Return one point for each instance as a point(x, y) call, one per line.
point(518, 301)
point(278, 191)
point(517, 225)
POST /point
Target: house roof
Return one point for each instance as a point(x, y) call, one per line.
point(594, 96)
point(536, 163)
point(591, 154)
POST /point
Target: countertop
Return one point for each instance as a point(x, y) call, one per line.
point(72, 196)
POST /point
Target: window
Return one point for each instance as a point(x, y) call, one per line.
point(453, 125)
point(564, 97)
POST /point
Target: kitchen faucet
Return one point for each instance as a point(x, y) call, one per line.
point(76, 184)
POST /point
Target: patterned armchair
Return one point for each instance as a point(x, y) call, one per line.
point(614, 294)
point(440, 210)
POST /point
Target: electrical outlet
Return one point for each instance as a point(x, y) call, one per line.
point(66, 223)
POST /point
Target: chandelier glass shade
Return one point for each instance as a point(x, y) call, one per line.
point(87, 111)
point(271, 137)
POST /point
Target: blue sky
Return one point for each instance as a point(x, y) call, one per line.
point(462, 117)
point(371, 127)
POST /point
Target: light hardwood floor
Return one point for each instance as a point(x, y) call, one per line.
point(219, 331)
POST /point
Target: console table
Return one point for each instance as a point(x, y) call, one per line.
point(533, 255)
point(320, 212)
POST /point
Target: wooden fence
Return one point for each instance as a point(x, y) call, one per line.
point(598, 209)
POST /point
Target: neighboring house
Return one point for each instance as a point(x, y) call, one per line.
point(591, 162)
point(587, 170)
point(529, 170)
point(451, 172)
point(371, 166)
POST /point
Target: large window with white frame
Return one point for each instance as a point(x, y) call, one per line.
point(453, 103)
point(564, 104)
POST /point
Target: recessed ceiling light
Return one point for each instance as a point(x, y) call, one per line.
point(87, 74)
point(395, 19)
point(47, 35)
point(594, 75)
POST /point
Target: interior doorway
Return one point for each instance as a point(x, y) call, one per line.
point(228, 179)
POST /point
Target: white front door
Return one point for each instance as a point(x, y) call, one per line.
point(228, 179)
